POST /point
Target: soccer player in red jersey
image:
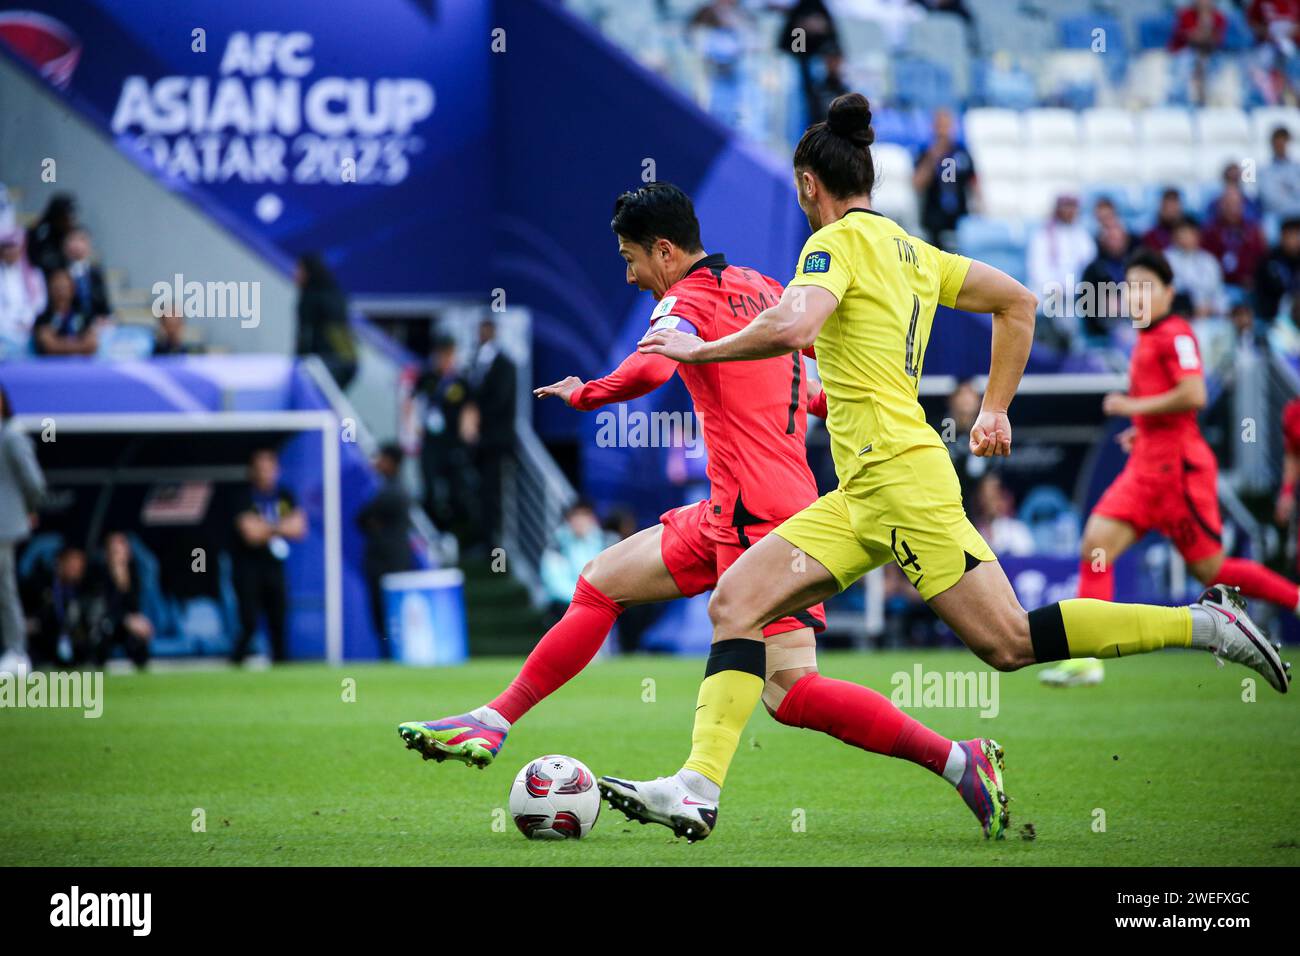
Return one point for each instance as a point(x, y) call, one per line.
point(1286, 498)
point(1170, 483)
point(754, 417)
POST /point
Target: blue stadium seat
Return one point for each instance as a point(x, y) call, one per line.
point(1154, 32)
point(923, 83)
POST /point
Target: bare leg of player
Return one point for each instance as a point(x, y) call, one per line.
point(770, 580)
point(629, 572)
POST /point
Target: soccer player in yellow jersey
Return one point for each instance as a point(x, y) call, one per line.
point(865, 294)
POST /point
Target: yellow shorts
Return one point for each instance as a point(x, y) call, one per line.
point(907, 509)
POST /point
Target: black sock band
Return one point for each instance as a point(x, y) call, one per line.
point(1047, 634)
point(738, 654)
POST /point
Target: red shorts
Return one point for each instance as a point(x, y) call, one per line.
point(1177, 496)
point(697, 553)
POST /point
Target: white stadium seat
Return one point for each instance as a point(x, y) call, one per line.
point(1167, 165)
point(1107, 164)
point(992, 127)
point(1002, 163)
point(1047, 163)
point(1103, 127)
point(1051, 127)
point(1002, 199)
point(1210, 160)
point(1166, 127)
point(1223, 126)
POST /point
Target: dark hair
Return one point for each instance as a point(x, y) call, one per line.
point(316, 273)
point(838, 150)
point(1291, 222)
point(1171, 192)
point(392, 451)
point(1280, 131)
point(6, 406)
point(1153, 260)
point(1188, 221)
point(657, 211)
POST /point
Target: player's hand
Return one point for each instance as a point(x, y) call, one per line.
point(1126, 439)
point(990, 436)
point(680, 346)
point(562, 389)
point(1117, 404)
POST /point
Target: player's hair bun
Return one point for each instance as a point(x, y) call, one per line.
point(850, 118)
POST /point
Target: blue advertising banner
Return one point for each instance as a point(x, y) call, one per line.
point(359, 129)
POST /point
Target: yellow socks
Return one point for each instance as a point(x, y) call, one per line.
point(1084, 627)
point(733, 684)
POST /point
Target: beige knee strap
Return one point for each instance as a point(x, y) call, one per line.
point(789, 651)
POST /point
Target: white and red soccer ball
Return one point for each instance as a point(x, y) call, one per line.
point(554, 798)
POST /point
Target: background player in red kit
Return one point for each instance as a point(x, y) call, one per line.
point(754, 417)
point(1170, 483)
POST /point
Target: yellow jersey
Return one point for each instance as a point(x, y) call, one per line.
point(870, 351)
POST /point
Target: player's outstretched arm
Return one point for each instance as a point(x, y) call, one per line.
point(635, 376)
point(789, 326)
point(1012, 306)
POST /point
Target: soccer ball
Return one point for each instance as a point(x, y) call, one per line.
point(554, 798)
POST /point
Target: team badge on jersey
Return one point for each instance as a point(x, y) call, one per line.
point(817, 262)
point(664, 307)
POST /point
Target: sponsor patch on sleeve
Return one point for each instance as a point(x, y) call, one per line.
point(816, 262)
point(663, 308)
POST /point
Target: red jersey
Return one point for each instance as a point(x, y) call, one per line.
point(753, 415)
point(1166, 353)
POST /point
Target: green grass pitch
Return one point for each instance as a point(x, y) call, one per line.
point(288, 772)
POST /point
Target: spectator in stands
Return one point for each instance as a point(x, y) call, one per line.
point(1099, 301)
point(493, 383)
point(1198, 279)
point(323, 326)
point(723, 26)
point(91, 298)
point(1169, 214)
point(62, 604)
point(22, 295)
point(1059, 251)
point(385, 520)
point(945, 183)
point(1276, 25)
point(120, 619)
point(445, 462)
point(1279, 180)
point(1244, 326)
point(267, 518)
point(809, 35)
point(995, 517)
point(22, 488)
point(1234, 240)
point(1279, 272)
point(61, 329)
point(1105, 215)
point(169, 337)
point(575, 544)
point(1232, 182)
point(963, 409)
point(1199, 31)
point(45, 239)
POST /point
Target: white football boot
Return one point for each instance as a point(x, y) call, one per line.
point(664, 800)
point(1239, 639)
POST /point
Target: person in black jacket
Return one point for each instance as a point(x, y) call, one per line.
point(492, 383)
point(1278, 275)
point(45, 239)
point(444, 457)
point(323, 326)
point(61, 601)
point(120, 619)
point(91, 297)
point(385, 521)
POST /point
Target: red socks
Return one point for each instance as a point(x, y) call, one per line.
point(1257, 581)
point(859, 716)
point(562, 652)
point(1096, 584)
